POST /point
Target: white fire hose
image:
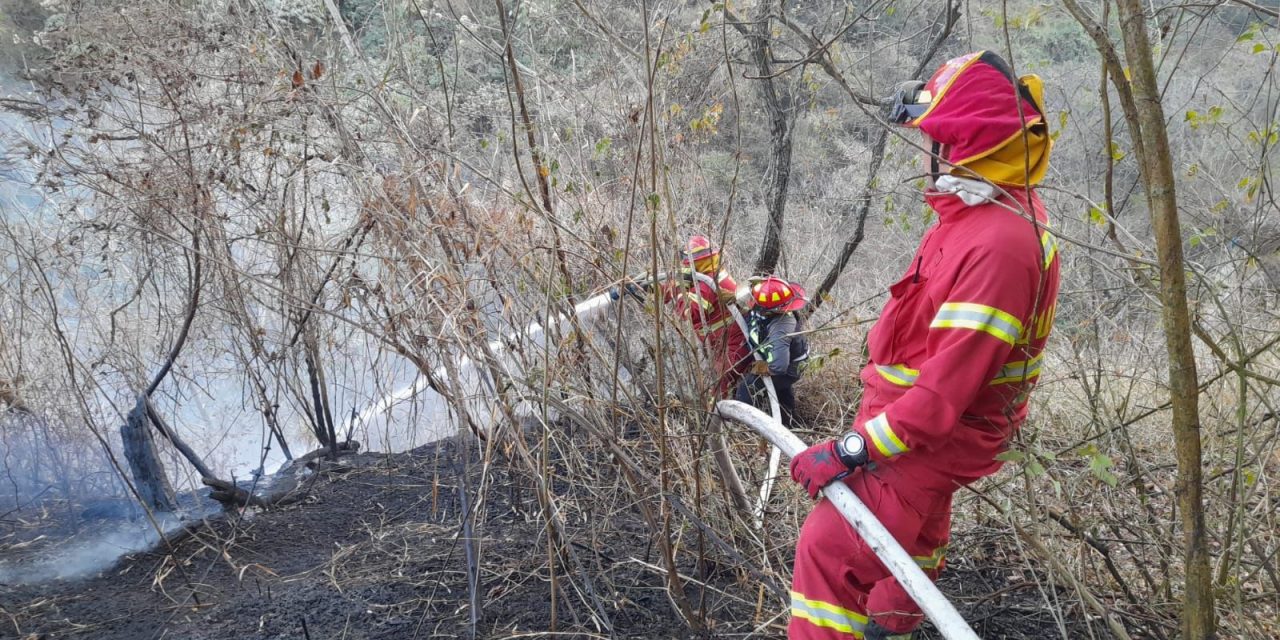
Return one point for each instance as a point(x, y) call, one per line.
point(775, 455)
point(586, 312)
point(904, 568)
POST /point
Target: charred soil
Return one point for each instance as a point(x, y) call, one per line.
point(376, 550)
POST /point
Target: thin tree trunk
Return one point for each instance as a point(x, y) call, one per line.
point(859, 229)
point(776, 101)
point(1156, 165)
point(319, 425)
point(140, 451)
point(950, 16)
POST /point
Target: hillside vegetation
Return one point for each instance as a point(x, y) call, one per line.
point(265, 216)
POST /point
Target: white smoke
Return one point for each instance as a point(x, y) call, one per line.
point(85, 554)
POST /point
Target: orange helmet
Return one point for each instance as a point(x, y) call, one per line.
point(778, 295)
point(700, 254)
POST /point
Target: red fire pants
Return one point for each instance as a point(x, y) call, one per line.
point(840, 585)
point(729, 357)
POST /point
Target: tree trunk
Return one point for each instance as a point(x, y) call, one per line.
point(852, 242)
point(776, 102)
point(1156, 166)
point(149, 477)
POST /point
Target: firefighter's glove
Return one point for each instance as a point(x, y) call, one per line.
point(760, 368)
point(827, 462)
point(635, 289)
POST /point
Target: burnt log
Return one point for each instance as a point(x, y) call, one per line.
point(149, 478)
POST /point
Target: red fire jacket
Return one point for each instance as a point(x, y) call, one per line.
point(701, 305)
point(715, 326)
point(957, 349)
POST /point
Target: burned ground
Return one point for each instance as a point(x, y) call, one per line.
point(374, 551)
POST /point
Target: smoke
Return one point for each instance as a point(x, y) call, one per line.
point(84, 555)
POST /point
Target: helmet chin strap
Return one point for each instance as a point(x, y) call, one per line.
point(934, 169)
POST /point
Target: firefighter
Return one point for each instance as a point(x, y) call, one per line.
point(707, 309)
point(774, 332)
point(953, 356)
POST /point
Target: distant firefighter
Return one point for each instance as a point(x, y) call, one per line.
point(707, 308)
point(773, 332)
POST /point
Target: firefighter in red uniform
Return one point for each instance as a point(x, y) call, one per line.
point(707, 308)
point(953, 356)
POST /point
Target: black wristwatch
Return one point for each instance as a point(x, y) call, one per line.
point(852, 450)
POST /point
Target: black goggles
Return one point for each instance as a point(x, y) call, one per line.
point(910, 101)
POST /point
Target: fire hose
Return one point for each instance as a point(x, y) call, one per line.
point(926, 594)
point(775, 455)
point(586, 312)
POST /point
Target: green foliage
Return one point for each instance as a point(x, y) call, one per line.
point(1097, 216)
point(1100, 464)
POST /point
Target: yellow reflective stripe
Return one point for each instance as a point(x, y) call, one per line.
point(1044, 321)
point(825, 614)
point(699, 300)
point(932, 561)
point(1018, 371)
point(1049, 245)
point(898, 374)
point(819, 619)
point(882, 435)
point(979, 317)
point(707, 330)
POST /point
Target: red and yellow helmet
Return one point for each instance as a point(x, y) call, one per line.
point(778, 295)
point(702, 255)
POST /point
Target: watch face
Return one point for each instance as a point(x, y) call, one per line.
point(853, 444)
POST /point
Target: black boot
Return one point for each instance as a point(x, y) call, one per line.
point(877, 632)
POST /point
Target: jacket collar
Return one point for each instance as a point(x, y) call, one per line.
point(950, 206)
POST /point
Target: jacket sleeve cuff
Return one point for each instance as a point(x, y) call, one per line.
point(882, 442)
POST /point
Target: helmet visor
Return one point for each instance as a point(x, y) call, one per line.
point(909, 102)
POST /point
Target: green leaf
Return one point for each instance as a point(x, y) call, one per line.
point(1097, 217)
point(1011, 456)
point(1117, 153)
point(1259, 48)
point(1100, 464)
point(1035, 468)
